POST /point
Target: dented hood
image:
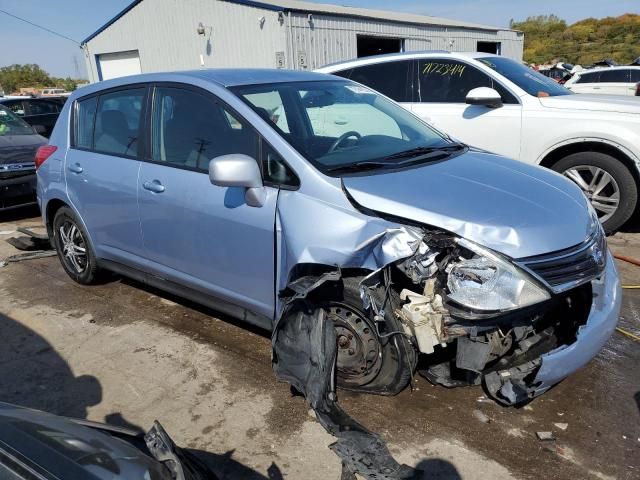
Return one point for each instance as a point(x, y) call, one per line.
point(514, 208)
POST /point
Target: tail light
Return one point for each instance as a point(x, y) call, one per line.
point(638, 89)
point(44, 152)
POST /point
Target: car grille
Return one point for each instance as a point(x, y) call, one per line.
point(566, 269)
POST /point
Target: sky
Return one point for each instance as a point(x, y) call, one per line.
point(77, 19)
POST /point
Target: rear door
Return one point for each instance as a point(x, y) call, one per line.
point(102, 169)
point(195, 233)
point(442, 87)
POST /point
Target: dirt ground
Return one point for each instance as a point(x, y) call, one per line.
point(125, 354)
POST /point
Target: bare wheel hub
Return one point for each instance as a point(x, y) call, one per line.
point(359, 359)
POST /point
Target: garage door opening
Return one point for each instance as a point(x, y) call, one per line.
point(490, 47)
point(368, 46)
point(118, 64)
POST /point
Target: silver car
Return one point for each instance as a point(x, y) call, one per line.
point(316, 208)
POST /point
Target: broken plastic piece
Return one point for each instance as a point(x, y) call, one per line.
point(545, 436)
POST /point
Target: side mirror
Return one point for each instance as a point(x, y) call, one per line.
point(39, 129)
point(485, 96)
point(238, 170)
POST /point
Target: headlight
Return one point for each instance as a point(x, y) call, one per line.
point(488, 282)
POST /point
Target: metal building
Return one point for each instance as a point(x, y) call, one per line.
point(162, 35)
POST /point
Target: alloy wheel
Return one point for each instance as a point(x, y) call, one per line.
point(74, 249)
point(600, 188)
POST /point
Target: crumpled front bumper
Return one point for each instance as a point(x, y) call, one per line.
point(515, 385)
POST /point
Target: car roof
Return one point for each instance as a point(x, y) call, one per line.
point(407, 55)
point(225, 77)
point(607, 69)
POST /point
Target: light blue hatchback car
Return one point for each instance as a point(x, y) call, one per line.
point(266, 193)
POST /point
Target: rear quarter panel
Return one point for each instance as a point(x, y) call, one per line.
point(51, 179)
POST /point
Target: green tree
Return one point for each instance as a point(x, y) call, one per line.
point(547, 38)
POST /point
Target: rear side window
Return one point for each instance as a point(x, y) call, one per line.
point(449, 81)
point(635, 75)
point(593, 77)
point(189, 129)
point(40, 108)
point(392, 79)
point(118, 122)
point(615, 76)
point(84, 122)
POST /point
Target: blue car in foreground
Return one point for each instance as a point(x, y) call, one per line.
point(321, 210)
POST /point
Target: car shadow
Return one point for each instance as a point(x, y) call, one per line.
point(34, 375)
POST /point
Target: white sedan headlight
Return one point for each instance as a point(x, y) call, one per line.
point(487, 282)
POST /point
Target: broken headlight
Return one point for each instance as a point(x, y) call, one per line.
point(488, 282)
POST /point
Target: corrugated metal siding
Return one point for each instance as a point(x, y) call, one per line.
point(164, 33)
point(329, 39)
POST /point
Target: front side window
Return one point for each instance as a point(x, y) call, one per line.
point(117, 126)
point(593, 77)
point(11, 124)
point(449, 81)
point(392, 79)
point(189, 129)
point(529, 80)
point(615, 76)
point(338, 124)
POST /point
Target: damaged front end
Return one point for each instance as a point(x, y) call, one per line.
point(478, 318)
point(467, 314)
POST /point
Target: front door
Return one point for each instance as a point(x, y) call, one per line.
point(101, 169)
point(442, 88)
point(195, 233)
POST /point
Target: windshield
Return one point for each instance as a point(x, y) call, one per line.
point(10, 124)
point(338, 124)
point(529, 80)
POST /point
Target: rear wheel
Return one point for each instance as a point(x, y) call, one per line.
point(607, 183)
point(370, 358)
point(73, 247)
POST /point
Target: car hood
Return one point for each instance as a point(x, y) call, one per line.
point(19, 148)
point(514, 208)
point(596, 103)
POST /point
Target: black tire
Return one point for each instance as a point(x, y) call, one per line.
point(396, 359)
point(88, 273)
point(622, 176)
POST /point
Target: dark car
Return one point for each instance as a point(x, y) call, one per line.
point(40, 113)
point(18, 144)
point(36, 445)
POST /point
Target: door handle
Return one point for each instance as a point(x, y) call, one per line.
point(75, 168)
point(155, 186)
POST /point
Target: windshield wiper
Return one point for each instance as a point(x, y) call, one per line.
point(414, 155)
point(358, 166)
point(424, 152)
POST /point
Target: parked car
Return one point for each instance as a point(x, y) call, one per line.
point(406, 241)
point(36, 112)
point(55, 92)
point(495, 103)
point(606, 81)
point(36, 445)
point(18, 145)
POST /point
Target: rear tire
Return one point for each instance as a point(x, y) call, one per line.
point(582, 167)
point(367, 362)
point(74, 248)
